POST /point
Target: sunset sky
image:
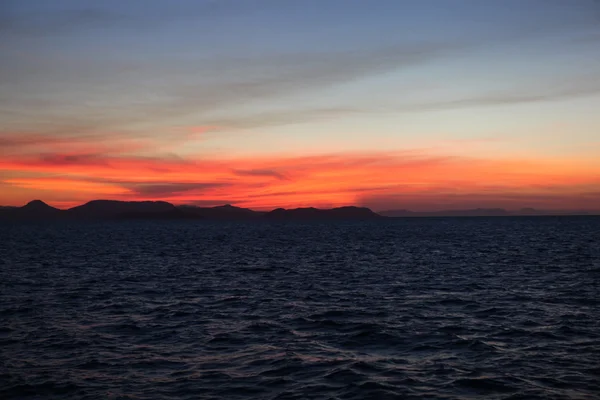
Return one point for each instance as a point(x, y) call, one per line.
point(390, 104)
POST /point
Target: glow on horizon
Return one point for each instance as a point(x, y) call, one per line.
point(384, 180)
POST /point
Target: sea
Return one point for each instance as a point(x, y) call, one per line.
point(409, 308)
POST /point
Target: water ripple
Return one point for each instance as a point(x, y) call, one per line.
point(502, 308)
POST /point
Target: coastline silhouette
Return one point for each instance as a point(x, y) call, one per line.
point(37, 210)
point(124, 210)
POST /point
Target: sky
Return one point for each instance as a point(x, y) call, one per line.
point(389, 104)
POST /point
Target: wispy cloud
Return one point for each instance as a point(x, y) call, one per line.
point(260, 173)
point(555, 91)
point(109, 96)
point(61, 92)
point(375, 179)
point(256, 80)
point(166, 190)
point(58, 22)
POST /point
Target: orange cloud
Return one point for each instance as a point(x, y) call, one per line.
point(382, 180)
point(67, 185)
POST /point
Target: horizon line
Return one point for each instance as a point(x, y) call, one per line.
point(449, 210)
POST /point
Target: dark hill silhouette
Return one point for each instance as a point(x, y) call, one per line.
point(528, 211)
point(484, 212)
point(38, 206)
point(175, 213)
point(34, 210)
point(312, 213)
point(114, 209)
point(101, 209)
point(477, 212)
point(225, 212)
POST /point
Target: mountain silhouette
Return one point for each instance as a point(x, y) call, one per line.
point(484, 212)
point(114, 209)
point(225, 212)
point(102, 209)
point(34, 210)
point(312, 213)
point(38, 206)
point(175, 213)
point(37, 210)
point(477, 212)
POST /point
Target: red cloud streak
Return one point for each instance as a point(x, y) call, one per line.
point(381, 180)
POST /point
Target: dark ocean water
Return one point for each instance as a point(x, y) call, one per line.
point(504, 308)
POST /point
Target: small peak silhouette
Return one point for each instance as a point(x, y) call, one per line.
point(37, 205)
point(35, 210)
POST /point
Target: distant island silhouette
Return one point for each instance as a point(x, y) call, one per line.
point(132, 210)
